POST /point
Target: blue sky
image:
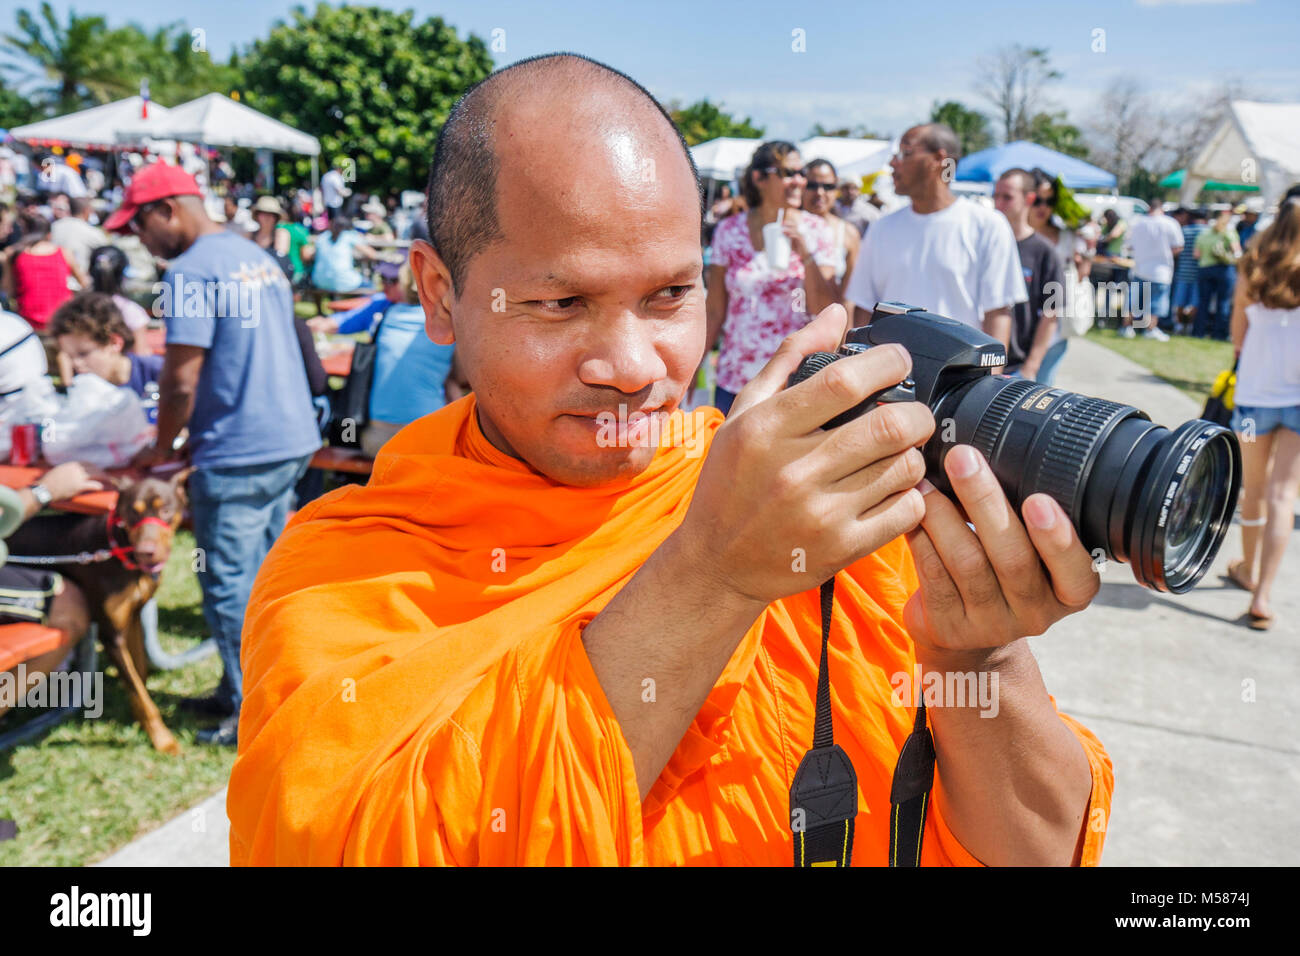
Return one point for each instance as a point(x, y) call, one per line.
point(881, 64)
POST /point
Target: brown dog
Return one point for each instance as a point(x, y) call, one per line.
point(116, 562)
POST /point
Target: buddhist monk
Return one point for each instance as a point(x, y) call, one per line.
point(567, 623)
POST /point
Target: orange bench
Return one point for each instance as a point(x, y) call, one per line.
point(23, 642)
point(20, 643)
point(352, 461)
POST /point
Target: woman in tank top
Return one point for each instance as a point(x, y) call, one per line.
point(37, 272)
point(819, 199)
point(1266, 414)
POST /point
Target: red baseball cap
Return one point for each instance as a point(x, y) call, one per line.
point(156, 181)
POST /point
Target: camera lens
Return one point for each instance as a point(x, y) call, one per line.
point(1161, 500)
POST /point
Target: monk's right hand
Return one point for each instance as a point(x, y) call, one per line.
point(781, 504)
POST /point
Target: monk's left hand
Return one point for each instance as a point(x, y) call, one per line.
point(1006, 580)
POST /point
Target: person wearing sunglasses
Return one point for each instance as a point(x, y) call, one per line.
point(752, 305)
point(819, 200)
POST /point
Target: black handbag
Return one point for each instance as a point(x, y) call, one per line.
point(351, 403)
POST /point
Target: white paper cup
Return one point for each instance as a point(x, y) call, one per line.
point(776, 247)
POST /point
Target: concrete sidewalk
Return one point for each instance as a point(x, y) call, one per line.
point(1197, 711)
point(198, 837)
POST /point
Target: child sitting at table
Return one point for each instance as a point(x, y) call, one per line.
point(93, 335)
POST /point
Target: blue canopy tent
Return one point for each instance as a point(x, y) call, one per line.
point(988, 164)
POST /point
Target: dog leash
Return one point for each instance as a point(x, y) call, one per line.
point(121, 552)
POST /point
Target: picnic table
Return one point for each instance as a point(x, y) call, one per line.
point(338, 359)
point(90, 503)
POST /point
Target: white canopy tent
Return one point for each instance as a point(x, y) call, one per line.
point(851, 158)
point(101, 127)
point(217, 120)
point(1257, 143)
point(725, 157)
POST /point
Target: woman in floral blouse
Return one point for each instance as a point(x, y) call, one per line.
point(752, 306)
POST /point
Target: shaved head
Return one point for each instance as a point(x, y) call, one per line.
point(490, 124)
point(565, 265)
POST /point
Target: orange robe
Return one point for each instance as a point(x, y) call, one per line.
point(417, 690)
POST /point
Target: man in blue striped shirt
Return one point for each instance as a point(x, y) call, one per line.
point(1184, 299)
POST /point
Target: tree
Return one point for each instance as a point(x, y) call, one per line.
point(67, 66)
point(15, 109)
point(372, 84)
point(856, 132)
point(703, 121)
point(1199, 117)
point(1052, 130)
point(1127, 132)
point(971, 126)
point(1013, 79)
point(176, 64)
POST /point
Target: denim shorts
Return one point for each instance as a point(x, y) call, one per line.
point(1185, 294)
point(1266, 420)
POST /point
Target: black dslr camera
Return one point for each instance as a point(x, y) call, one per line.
point(1134, 490)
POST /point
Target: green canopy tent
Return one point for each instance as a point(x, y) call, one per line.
point(1175, 181)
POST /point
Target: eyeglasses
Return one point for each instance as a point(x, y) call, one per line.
point(784, 173)
point(908, 153)
point(821, 187)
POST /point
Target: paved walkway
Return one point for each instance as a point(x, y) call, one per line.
point(1197, 711)
point(1207, 772)
point(198, 837)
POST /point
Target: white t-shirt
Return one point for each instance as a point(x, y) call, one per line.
point(1153, 239)
point(959, 262)
point(58, 177)
point(332, 189)
point(78, 238)
point(1269, 373)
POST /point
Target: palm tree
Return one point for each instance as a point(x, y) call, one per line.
point(68, 66)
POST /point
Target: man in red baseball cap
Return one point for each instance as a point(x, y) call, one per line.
point(164, 207)
point(233, 375)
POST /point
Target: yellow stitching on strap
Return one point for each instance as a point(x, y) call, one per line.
point(925, 797)
point(893, 843)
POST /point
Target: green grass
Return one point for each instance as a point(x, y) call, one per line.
point(1184, 362)
point(88, 787)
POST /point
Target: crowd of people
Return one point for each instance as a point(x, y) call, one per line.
point(250, 406)
point(233, 376)
point(1022, 272)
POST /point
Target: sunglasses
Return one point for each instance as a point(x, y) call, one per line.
point(137, 221)
point(821, 187)
point(784, 173)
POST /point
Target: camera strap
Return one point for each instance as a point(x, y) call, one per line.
point(824, 794)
